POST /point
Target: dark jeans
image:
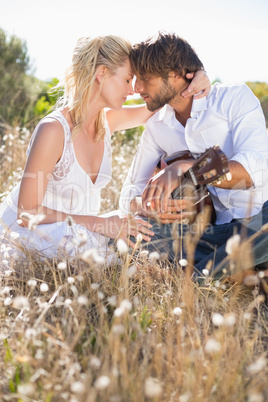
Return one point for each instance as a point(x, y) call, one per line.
point(212, 243)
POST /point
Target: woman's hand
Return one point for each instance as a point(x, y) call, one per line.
point(200, 83)
point(116, 227)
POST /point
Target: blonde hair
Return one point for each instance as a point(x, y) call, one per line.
point(110, 51)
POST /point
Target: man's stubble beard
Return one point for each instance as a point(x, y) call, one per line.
point(165, 95)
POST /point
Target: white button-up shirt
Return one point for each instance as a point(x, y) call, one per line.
point(231, 117)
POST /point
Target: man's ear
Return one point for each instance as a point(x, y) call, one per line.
point(101, 73)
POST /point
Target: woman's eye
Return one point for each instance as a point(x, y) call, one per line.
point(128, 81)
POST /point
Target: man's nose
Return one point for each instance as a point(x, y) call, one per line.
point(138, 88)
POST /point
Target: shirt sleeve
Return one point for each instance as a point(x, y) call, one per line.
point(141, 170)
point(250, 139)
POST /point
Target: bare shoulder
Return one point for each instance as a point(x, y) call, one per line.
point(49, 138)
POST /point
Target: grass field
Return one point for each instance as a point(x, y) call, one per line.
point(136, 331)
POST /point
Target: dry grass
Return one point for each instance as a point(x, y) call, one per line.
point(135, 331)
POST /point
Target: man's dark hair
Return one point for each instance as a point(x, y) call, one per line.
point(160, 55)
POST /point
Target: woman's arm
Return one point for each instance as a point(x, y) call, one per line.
point(133, 116)
point(127, 117)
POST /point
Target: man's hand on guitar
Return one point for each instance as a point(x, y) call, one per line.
point(155, 196)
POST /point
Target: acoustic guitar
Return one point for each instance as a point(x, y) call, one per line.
point(209, 168)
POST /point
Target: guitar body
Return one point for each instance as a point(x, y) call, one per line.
point(210, 167)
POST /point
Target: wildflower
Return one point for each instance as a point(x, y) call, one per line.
point(92, 255)
point(68, 302)
point(112, 300)
point(77, 387)
point(62, 265)
point(14, 235)
point(131, 270)
point(32, 283)
point(70, 280)
point(232, 244)
point(177, 311)
point(139, 238)
point(82, 300)
point(212, 346)
point(122, 246)
point(229, 319)
point(125, 306)
point(8, 301)
point(44, 287)
point(205, 272)
point(30, 333)
point(100, 295)
point(95, 362)
point(152, 387)
point(26, 389)
point(35, 220)
point(21, 302)
point(258, 366)
point(183, 262)
point(102, 382)
point(5, 290)
point(217, 319)
point(144, 253)
point(154, 255)
point(94, 286)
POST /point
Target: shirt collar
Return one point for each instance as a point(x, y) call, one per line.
point(167, 112)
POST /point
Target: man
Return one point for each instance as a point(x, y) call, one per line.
point(231, 117)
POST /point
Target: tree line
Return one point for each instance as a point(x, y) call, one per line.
point(24, 99)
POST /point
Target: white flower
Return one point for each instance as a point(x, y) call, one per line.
point(8, 301)
point(77, 387)
point(255, 397)
point(205, 272)
point(131, 270)
point(152, 387)
point(21, 302)
point(139, 238)
point(232, 244)
point(14, 235)
point(144, 253)
point(35, 220)
point(82, 300)
point(230, 319)
point(70, 280)
point(32, 283)
point(154, 255)
point(258, 366)
point(5, 290)
point(212, 346)
point(183, 262)
point(122, 246)
point(112, 300)
point(100, 295)
point(26, 389)
point(68, 302)
point(177, 311)
point(44, 287)
point(62, 265)
point(102, 382)
point(94, 286)
point(217, 319)
point(95, 362)
point(124, 307)
point(30, 333)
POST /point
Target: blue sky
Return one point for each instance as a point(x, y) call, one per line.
point(230, 36)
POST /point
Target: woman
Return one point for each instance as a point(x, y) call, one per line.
point(69, 158)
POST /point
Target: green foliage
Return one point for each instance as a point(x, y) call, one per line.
point(14, 95)
point(260, 89)
point(47, 97)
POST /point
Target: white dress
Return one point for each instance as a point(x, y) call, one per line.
point(69, 190)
